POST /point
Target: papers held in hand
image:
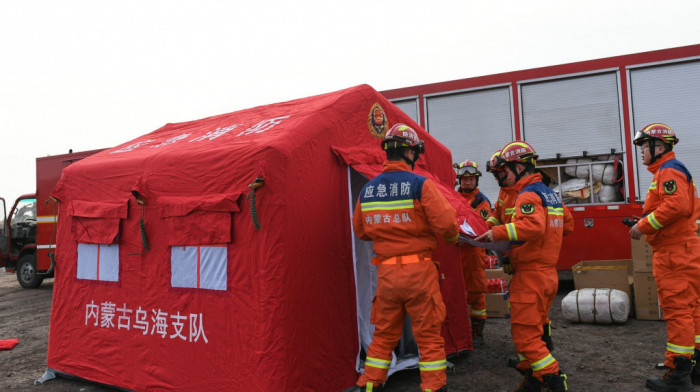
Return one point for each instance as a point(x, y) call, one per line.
point(467, 235)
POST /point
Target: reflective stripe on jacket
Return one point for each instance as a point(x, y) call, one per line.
point(402, 212)
point(671, 206)
point(537, 226)
point(503, 210)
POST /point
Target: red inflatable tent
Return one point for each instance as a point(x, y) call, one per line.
point(174, 273)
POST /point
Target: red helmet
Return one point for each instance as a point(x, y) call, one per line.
point(467, 169)
point(656, 131)
point(401, 135)
point(517, 151)
point(493, 162)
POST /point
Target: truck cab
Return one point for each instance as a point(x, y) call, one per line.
point(18, 241)
point(28, 231)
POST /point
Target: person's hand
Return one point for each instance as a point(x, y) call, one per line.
point(486, 237)
point(508, 267)
point(635, 233)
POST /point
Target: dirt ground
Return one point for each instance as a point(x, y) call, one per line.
point(595, 357)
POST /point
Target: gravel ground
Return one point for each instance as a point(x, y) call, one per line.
point(595, 357)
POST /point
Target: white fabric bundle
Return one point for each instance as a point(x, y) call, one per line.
point(574, 184)
point(604, 172)
point(607, 194)
point(605, 157)
point(596, 306)
point(580, 171)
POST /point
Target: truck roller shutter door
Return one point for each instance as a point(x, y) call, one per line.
point(408, 106)
point(669, 94)
point(572, 115)
point(473, 125)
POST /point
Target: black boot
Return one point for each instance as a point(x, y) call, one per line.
point(443, 389)
point(547, 336)
point(528, 383)
point(674, 380)
point(478, 332)
point(513, 362)
point(554, 382)
point(695, 373)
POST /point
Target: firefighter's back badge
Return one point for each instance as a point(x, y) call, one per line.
point(377, 121)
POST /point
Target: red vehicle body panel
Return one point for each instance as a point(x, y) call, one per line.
point(48, 172)
point(599, 233)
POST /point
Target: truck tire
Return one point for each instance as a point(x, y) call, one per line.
point(26, 272)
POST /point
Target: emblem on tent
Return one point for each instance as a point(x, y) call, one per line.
point(377, 121)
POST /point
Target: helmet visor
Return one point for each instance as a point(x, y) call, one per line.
point(498, 163)
point(467, 171)
point(420, 147)
point(640, 137)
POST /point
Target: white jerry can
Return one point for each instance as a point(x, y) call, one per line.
point(596, 306)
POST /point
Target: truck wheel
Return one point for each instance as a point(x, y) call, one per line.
point(26, 272)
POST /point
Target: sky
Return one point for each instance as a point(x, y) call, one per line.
point(88, 74)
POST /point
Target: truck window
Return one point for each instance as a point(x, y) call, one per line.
point(591, 180)
point(26, 212)
point(3, 231)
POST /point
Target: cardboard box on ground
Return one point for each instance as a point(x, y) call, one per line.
point(641, 255)
point(497, 304)
point(635, 277)
point(604, 274)
point(646, 299)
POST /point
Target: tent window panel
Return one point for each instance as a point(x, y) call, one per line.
point(203, 267)
point(109, 263)
point(198, 219)
point(87, 261)
point(96, 222)
point(98, 262)
point(183, 262)
point(213, 267)
point(198, 227)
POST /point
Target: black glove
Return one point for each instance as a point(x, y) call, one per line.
point(505, 263)
point(629, 222)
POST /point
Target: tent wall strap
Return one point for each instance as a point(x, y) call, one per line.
point(259, 182)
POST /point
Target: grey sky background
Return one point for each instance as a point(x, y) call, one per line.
point(87, 74)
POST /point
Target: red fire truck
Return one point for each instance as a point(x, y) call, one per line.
point(27, 233)
point(581, 119)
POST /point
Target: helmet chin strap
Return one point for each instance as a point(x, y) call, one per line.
point(652, 151)
point(499, 180)
point(513, 166)
point(410, 162)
